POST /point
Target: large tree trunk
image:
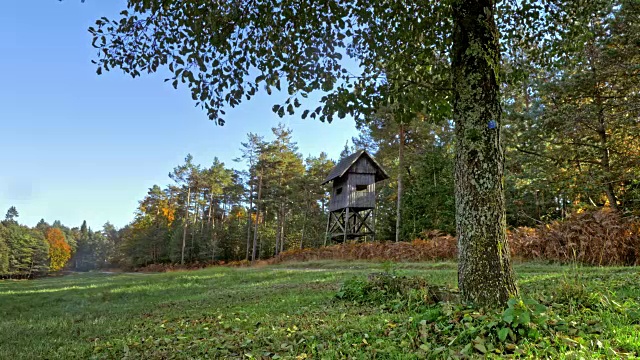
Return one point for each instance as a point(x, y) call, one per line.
point(400, 170)
point(485, 275)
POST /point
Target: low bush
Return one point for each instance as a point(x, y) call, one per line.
point(600, 238)
point(435, 246)
point(391, 291)
point(165, 267)
point(191, 266)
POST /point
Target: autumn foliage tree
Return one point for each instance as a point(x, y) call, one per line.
point(59, 250)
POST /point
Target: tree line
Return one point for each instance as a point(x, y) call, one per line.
point(218, 213)
point(30, 252)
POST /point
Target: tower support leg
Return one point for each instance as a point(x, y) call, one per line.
point(346, 225)
point(327, 234)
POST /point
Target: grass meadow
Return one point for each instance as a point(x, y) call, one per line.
point(290, 311)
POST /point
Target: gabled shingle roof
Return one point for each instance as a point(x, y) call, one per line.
point(345, 164)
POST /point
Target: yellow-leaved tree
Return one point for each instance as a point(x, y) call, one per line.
point(59, 250)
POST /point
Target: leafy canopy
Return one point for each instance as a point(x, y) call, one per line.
point(226, 51)
point(12, 213)
point(59, 250)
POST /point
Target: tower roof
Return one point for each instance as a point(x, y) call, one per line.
point(345, 164)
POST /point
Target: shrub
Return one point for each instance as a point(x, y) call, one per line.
point(394, 292)
point(599, 237)
point(434, 246)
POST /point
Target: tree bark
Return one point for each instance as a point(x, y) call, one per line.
point(304, 224)
point(255, 230)
point(249, 222)
point(400, 170)
point(214, 234)
point(604, 147)
point(278, 229)
point(194, 226)
point(485, 274)
point(186, 223)
point(204, 202)
point(284, 217)
point(210, 207)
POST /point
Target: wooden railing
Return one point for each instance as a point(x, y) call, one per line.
point(362, 199)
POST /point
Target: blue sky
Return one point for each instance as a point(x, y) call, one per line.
point(76, 146)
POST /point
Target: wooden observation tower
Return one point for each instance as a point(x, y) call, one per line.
point(353, 197)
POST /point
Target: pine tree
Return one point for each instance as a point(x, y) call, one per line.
point(186, 177)
point(250, 154)
point(4, 252)
point(12, 214)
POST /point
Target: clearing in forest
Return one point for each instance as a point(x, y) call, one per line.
point(291, 311)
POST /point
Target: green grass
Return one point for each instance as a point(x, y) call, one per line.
point(290, 311)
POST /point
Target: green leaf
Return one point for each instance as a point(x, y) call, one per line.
point(507, 315)
point(480, 347)
point(539, 309)
point(502, 334)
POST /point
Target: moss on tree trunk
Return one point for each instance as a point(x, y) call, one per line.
point(485, 275)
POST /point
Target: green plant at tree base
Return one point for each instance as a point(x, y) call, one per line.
point(541, 325)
